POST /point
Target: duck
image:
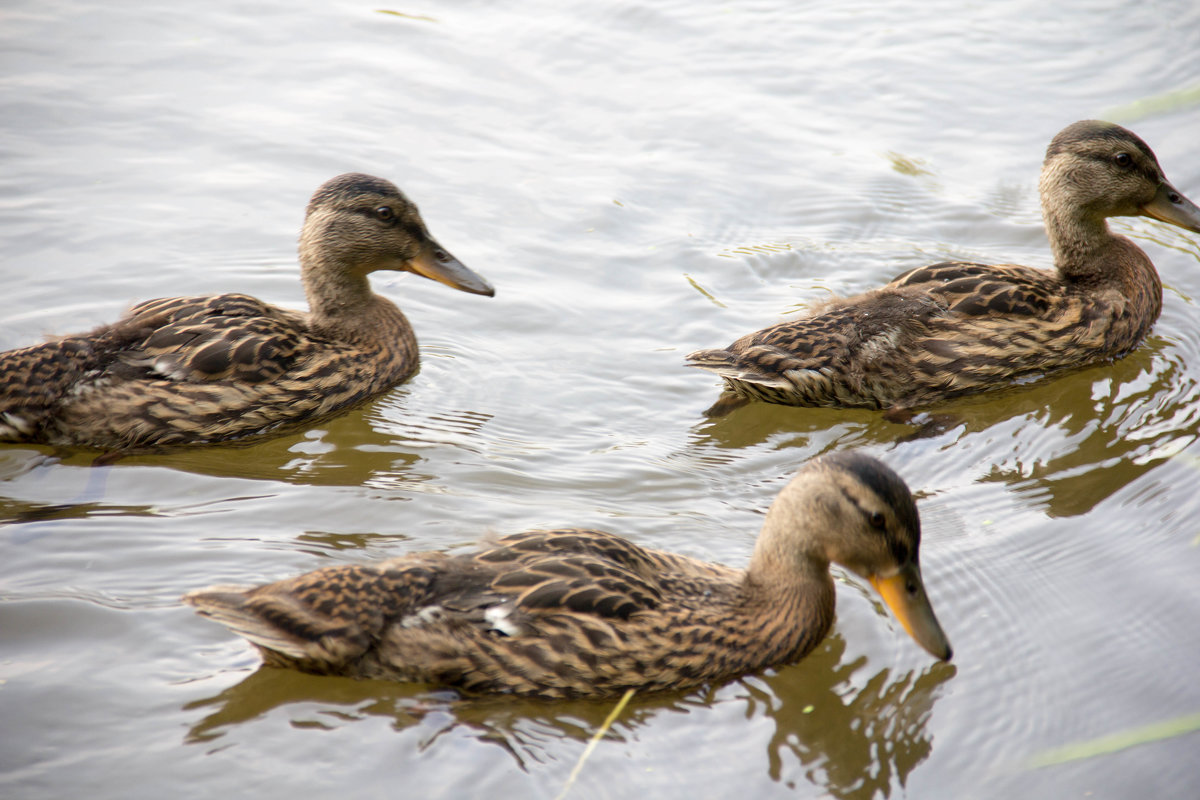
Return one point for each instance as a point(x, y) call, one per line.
point(956, 328)
point(219, 368)
point(575, 613)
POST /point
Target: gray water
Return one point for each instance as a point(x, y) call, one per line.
point(638, 180)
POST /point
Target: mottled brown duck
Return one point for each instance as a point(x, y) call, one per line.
point(582, 613)
point(957, 328)
point(214, 368)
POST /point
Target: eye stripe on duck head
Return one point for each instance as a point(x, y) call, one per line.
point(898, 549)
point(894, 493)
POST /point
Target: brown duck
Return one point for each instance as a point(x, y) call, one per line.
point(214, 368)
point(582, 613)
point(957, 328)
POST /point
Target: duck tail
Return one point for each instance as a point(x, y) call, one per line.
point(33, 380)
point(324, 621)
point(718, 361)
point(762, 365)
point(272, 623)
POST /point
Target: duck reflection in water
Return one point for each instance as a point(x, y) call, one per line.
point(861, 735)
point(836, 725)
point(1093, 431)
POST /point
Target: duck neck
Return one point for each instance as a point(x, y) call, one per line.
point(1089, 256)
point(343, 306)
point(791, 594)
point(1085, 251)
point(1081, 243)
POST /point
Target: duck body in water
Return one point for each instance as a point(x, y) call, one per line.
point(584, 613)
point(219, 368)
point(959, 328)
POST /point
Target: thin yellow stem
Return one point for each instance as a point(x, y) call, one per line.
point(595, 740)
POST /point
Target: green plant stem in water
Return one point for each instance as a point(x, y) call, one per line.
point(1118, 741)
point(1157, 104)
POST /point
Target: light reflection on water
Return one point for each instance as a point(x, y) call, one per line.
point(638, 181)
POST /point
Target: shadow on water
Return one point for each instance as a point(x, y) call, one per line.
point(86, 503)
point(851, 734)
point(1087, 433)
point(14, 511)
point(378, 448)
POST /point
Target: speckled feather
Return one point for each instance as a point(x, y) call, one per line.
point(957, 328)
point(575, 613)
point(194, 370)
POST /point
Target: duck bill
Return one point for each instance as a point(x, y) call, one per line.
point(435, 263)
point(905, 595)
point(1169, 205)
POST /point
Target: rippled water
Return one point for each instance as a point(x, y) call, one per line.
point(638, 181)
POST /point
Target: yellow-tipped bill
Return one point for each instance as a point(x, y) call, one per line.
point(436, 264)
point(905, 595)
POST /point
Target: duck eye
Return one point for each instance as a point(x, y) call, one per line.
point(877, 520)
point(385, 213)
point(1123, 159)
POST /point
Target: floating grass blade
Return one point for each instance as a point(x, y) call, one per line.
point(1118, 741)
point(1157, 104)
point(418, 17)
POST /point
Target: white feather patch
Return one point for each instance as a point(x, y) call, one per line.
point(498, 618)
point(429, 615)
point(14, 425)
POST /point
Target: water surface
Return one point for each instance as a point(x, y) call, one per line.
point(638, 181)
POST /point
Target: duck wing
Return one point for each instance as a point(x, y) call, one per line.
point(934, 332)
point(179, 339)
point(209, 338)
point(826, 358)
point(327, 620)
point(979, 290)
point(575, 571)
point(1008, 321)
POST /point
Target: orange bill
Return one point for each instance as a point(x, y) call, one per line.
point(905, 595)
